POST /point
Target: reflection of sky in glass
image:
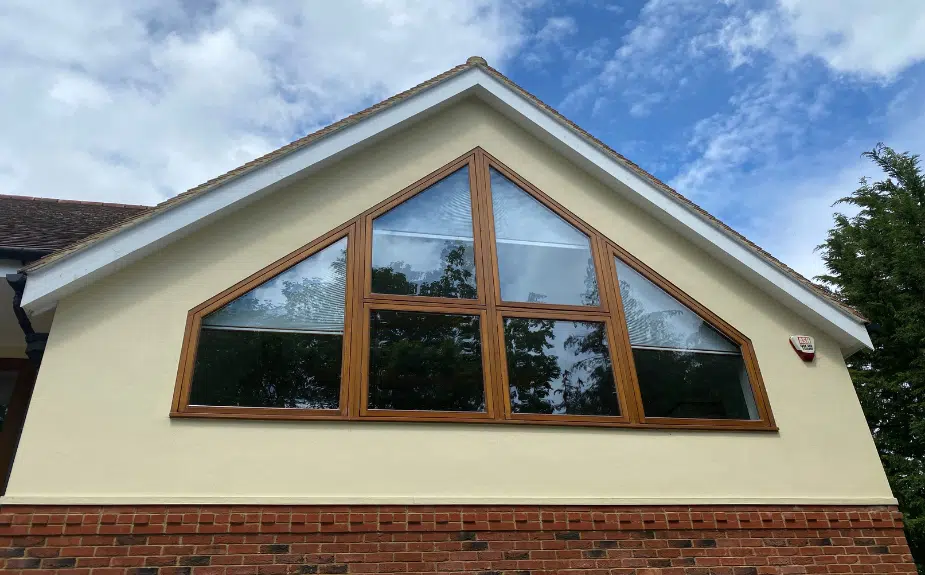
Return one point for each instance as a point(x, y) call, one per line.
point(656, 319)
point(419, 230)
point(309, 296)
point(567, 359)
point(541, 257)
point(443, 210)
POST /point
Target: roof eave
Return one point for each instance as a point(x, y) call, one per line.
point(52, 281)
point(23, 254)
point(848, 329)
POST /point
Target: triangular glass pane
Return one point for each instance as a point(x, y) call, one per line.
point(685, 367)
point(279, 345)
point(541, 257)
point(655, 319)
point(308, 297)
point(424, 246)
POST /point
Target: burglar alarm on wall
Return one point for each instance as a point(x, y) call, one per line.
point(804, 346)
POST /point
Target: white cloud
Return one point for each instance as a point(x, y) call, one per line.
point(557, 29)
point(135, 102)
point(748, 160)
point(758, 119)
point(649, 62)
point(858, 37)
point(642, 107)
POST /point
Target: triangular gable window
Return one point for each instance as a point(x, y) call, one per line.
point(280, 344)
point(469, 296)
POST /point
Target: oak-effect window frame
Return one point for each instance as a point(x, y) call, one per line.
point(492, 310)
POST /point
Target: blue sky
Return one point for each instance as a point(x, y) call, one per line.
point(756, 109)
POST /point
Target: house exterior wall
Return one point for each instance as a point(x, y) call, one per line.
point(98, 430)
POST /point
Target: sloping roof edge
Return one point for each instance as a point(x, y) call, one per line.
point(56, 275)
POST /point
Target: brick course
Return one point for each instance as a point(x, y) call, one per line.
point(487, 540)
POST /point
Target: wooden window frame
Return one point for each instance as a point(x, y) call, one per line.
point(181, 405)
point(765, 417)
point(491, 309)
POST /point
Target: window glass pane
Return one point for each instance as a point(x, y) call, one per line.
point(691, 384)
point(655, 319)
point(267, 369)
point(7, 384)
point(560, 367)
point(424, 246)
point(425, 361)
point(685, 367)
point(280, 344)
point(307, 297)
point(541, 257)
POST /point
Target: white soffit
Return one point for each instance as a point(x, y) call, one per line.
point(46, 285)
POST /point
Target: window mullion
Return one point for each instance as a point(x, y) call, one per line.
point(357, 258)
point(484, 229)
point(627, 383)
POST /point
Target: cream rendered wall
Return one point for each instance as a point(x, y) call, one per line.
point(98, 428)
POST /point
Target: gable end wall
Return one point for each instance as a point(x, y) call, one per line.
point(98, 429)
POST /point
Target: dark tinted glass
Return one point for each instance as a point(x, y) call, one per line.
point(425, 361)
point(7, 383)
point(281, 343)
point(560, 367)
point(267, 369)
point(686, 368)
point(424, 246)
point(693, 385)
point(541, 257)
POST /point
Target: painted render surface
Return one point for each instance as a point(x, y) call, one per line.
point(98, 428)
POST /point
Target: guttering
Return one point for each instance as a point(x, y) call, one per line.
point(35, 342)
point(24, 255)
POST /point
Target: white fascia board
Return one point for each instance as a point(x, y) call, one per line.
point(849, 331)
point(47, 285)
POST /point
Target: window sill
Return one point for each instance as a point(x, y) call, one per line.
point(574, 421)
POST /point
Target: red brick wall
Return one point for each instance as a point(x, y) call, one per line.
point(257, 540)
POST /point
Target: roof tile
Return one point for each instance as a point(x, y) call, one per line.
point(50, 224)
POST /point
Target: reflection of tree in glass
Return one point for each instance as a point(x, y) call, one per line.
point(538, 384)
point(267, 369)
point(530, 370)
point(678, 382)
point(597, 394)
point(425, 361)
point(270, 368)
point(591, 296)
point(454, 279)
point(648, 326)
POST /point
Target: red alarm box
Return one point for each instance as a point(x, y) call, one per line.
point(804, 346)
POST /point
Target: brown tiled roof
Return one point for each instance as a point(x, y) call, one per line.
point(45, 224)
point(472, 62)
